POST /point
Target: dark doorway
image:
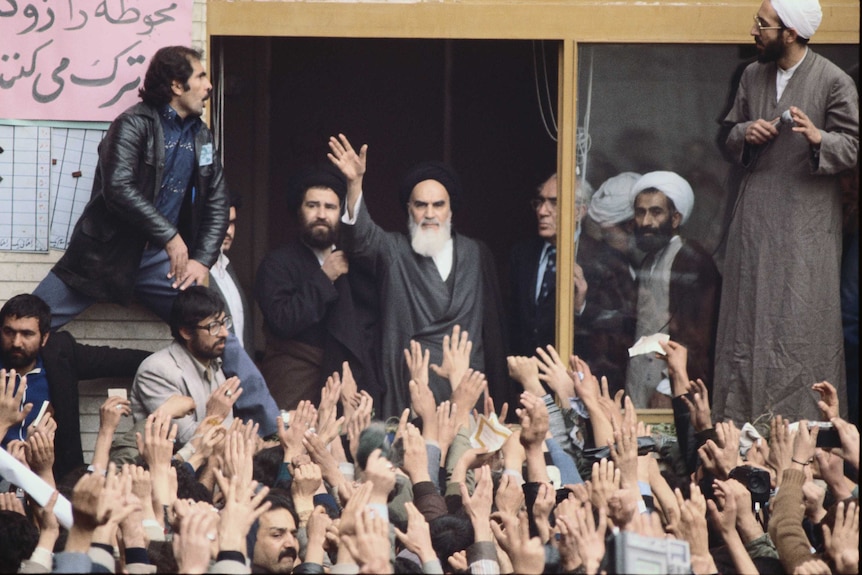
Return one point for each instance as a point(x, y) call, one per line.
point(474, 103)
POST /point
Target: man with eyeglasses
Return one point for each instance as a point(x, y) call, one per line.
point(603, 298)
point(794, 127)
point(191, 365)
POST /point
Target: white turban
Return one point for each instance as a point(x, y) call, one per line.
point(670, 184)
point(804, 16)
point(612, 203)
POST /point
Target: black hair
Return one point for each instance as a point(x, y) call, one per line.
point(372, 437)
point(193, 305)
point(266, 463)
point(282, 499)
point(168, 64)
point(66, 483)
point(161, 554)
point(28, 305)
point(18, 539)
point(450, 534)
point(188, 486)
point(405, 565)
point(235, 198)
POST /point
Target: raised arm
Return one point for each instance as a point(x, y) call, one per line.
point(352, 165)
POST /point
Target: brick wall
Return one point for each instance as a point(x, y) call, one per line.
point(102, 324)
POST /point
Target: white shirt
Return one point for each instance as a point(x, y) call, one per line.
point(783, 76)
point(543, 264)
point(231, 293)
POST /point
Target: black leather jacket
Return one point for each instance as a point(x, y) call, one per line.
point(104, 253)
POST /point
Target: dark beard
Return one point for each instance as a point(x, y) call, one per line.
point(17, 362)
point(771, 52)
point(318, 238)
point(207, 353)
point(656, 240)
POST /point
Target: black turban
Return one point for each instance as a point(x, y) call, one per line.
point(437, 171)
point(323, 175)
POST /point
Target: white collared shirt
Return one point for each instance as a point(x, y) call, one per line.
point(230, 291)
point(783, 76)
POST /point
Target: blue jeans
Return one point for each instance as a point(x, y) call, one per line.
point(153, 289)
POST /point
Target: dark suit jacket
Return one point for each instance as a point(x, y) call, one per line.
point(300, 304)
point(531, 324)
point(66, 362)
point(605, 329)
point(246, 336)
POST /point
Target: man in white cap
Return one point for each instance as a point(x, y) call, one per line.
point(678, 287)
point(612, 212)
point(611, 208)
point(793, 127)
point(603, 297)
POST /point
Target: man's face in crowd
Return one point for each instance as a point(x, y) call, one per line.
point(770, 43)
point(319, 217)
point(430, 220)
point(189, 99)
point(276, 549)
point(655, 222)
point(619, 236)
point(545, 205)
point(21, 342)
point(231, 230)
point(204, 346)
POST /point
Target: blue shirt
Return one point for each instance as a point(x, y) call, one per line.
point(37, 392)
point(179, 161)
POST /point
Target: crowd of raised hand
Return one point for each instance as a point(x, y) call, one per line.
point(420, 494)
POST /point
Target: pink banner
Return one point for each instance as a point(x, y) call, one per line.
point(82, 60)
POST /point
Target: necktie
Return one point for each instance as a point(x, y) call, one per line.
point(549, 280)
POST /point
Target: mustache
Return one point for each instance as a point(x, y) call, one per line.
point(290, 552)
point(642, 231)
point(310, 226)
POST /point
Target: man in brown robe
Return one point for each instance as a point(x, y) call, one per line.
point(780, 316)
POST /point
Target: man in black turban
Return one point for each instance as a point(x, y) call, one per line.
point(311, 320)
point(432, 282)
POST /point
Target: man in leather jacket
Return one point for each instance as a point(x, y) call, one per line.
point(157, 214)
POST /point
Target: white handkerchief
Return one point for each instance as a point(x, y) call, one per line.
point(649, 344)
point(15, 473)
point(748, 436)
point(489, 433)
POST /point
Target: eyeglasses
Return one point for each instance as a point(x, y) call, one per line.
point(761, 25)
point(214, 327)
point(537, 203)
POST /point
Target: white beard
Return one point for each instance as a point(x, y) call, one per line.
point(429, 242)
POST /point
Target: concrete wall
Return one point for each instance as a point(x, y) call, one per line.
point(102, 324)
